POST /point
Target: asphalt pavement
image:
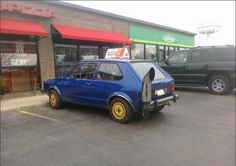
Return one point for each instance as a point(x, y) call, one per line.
point(198, 130)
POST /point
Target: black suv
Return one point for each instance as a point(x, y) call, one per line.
point(212, 66)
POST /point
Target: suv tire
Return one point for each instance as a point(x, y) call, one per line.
point(219, 84)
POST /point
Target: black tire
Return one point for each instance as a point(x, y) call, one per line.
point(159, 108)
point(219, 84)
point(123, 105)
point(54, 100)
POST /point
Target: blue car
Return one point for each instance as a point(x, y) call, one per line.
point(124, 87)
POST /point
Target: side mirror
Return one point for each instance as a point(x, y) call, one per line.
point(167, 62)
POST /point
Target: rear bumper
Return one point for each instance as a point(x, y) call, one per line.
point(173, 98)
point(156, 103)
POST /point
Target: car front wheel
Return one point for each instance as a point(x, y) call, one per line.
point(219, 85)
point(121, 111)
point(54, 100)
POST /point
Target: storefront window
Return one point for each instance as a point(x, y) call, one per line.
point(161, 53)
point(171, 50)
point(65, 58)
point(19, 66)
point(63, 70)
point(137, 51)
point(151, 52)
point(166, 52)
point(15, 54)
point(88, 52)
point(65, 54)
point(104, 51)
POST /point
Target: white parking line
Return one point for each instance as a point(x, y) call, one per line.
point(41, 116)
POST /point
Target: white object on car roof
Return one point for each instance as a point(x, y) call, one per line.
point(117, 53)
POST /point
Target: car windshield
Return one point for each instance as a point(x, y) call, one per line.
point(143, 67)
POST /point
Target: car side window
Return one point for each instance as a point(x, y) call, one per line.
point(224, 54)
point(179, 57)
point(200, 56)
point(84, 71)
point(109, 71)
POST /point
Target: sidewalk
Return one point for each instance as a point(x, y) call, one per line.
point(16, 103)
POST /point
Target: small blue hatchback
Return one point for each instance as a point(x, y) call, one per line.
point(125, 87)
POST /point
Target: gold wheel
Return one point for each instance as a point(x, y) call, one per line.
point(118, 110)
point(53, 99)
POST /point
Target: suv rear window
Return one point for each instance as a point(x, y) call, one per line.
point(143, 67)
point(224, 54)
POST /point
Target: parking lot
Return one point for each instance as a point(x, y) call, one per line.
point(198, 130)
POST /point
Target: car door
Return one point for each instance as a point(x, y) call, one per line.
point(108, 80)
point(176, 66)
point(79, 90)
point(198, 66)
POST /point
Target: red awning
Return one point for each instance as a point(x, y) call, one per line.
point(69, 32)
point(18, 27)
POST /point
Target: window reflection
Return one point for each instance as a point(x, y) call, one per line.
point(65, 58)
point(15, 54)
point(179, 57)
point(65, 54)
point(104, 51)
point(63, 70)
point(171, 50)
point(151, 52)
point(137, 51)
point(88, 52)
point(161, 53)
point(166, 52)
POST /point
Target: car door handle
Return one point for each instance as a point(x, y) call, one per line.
point(88, 83)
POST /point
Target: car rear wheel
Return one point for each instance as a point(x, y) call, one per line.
point(121, 110)
point(219, 85)
point(55, 100)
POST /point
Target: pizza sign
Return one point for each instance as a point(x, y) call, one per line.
point(29, 10)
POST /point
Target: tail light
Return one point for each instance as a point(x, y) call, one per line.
point(173, 88)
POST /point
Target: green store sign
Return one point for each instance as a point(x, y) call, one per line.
point(156, 36)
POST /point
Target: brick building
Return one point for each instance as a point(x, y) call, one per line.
point(43, 40)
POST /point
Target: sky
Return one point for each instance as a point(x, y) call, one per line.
point(184, 15)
